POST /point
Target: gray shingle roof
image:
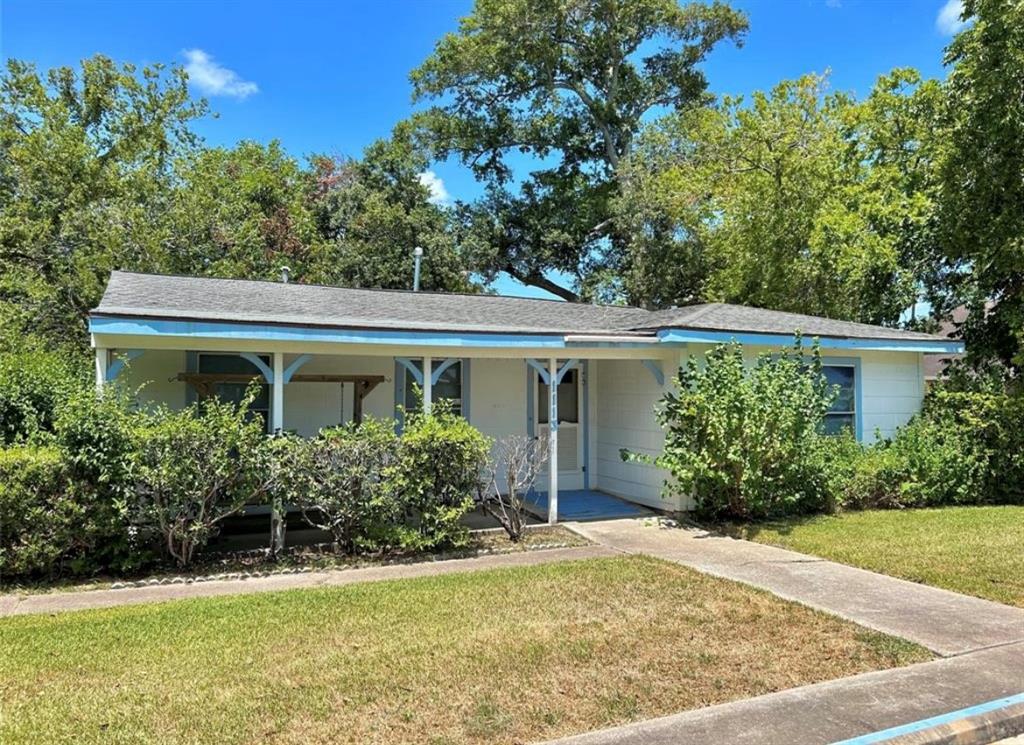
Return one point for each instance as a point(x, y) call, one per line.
point(203, 298)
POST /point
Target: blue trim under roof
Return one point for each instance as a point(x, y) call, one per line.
point(696, 336)
point(131, 326)
point(266, 332)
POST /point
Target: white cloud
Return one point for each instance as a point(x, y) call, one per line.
point(833, 3)
point(948, 21)
point(438, 194)
point(214, 80)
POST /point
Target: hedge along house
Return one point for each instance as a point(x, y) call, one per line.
point(587, 376)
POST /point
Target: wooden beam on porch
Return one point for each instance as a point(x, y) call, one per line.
point(204, 383)
point(369, 381)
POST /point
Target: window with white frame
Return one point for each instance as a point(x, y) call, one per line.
point(448, 386)
point(842, 415)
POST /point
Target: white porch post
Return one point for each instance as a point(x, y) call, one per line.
point(277, 518)
point(428, 383)
point(553, 442)
point(102, 363)
point(277, 384)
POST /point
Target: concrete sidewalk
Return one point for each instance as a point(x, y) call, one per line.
point(945, 622)
point(14, 605)
point(983, 643)
point(835, 710)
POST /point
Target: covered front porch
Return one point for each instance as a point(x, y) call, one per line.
point(600, 404)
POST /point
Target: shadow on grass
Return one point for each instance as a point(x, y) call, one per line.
point(751, 530)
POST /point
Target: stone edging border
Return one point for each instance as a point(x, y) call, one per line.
point(186, 579)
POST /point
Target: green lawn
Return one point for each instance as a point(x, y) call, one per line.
point(498, 656)
point(973, 550)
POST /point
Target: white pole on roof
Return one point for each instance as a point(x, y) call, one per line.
point(417, 254)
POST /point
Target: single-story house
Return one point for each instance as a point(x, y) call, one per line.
point(330, 355)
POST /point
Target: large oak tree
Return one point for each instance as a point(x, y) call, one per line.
point(560, 86)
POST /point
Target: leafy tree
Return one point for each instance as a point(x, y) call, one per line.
point(242, 212)
point(85, 171)
point(374, 211)
point(797, 201)
point(982, 204)
point(567, 83)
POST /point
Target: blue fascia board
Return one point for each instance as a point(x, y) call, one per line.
point(267, 332)
point(690, 336)
point(126, 326)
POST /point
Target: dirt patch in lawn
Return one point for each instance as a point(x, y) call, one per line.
point(501, 656)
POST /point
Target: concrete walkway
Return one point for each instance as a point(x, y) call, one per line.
point(14, 605)
point(982, 643)
point(945, 622)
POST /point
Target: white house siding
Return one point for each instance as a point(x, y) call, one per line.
point(497, 396)
point(893, 390)
point(626, 396)
point(308, 407)
point(154, 370)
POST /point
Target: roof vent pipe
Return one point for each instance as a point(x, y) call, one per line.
point(418, 254)
point(285, 274)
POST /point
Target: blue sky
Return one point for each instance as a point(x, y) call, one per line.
point(333, 76)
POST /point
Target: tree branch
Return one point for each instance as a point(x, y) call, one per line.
point(536, 279)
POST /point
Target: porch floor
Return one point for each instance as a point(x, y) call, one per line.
point(586, 504)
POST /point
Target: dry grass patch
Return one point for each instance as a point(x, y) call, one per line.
point(498, 656)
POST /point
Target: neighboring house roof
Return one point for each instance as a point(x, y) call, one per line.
point(935, 364)
point(151, 296)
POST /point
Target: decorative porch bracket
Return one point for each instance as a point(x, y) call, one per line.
point(268, 374)
point(545, 376)
point(120, 360)
point(299, 361)
point(654, 366)
point(417, 373)
point(436, 375)
point(411, 368)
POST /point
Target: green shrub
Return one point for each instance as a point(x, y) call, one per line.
point(96, 437)
point(438, 474)
point(33, 384)
point(964, 448)
point(343, 481)
point(194, 468)
point(69, 512)
point(994, 423)
point(38, 519)
point(745, 441)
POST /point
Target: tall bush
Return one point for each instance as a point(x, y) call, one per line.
point(343, 482)
point(39, 521)
point(746, 442)
point(33, 385)
point(194, 468)
point(963, 448)
point(96, 440)
point(438, 474)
